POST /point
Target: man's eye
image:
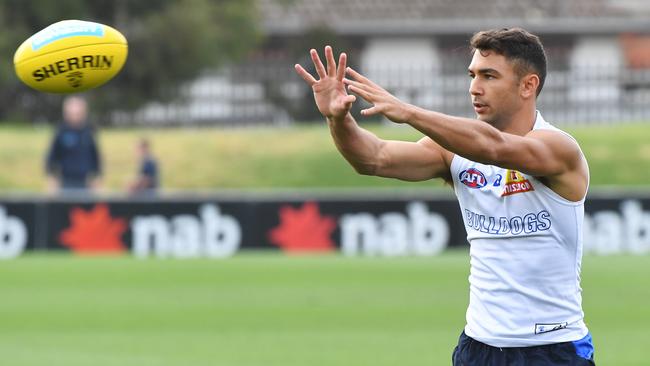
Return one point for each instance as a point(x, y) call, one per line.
point(489, 77)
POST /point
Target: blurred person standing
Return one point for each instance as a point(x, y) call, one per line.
point(147, 179)
point(73, 161)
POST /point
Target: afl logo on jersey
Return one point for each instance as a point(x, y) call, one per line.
point(473, 178)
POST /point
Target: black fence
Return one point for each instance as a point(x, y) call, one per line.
point(221, 226)
point(274, 94)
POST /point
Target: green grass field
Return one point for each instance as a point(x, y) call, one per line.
point(272, 310)
point(306, 157)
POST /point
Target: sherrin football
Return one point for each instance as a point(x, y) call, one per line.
point(71, 56)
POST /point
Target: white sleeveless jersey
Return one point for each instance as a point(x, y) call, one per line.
point(525, 256)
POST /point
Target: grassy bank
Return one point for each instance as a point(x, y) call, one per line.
point(302, 157)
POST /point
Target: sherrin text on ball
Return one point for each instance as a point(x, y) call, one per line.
point(71, 56)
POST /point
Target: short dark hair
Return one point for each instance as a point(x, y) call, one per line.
point(517, 45)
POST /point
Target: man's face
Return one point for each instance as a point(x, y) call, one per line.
point(143, 149)
point(75, 111)
point(494, 88)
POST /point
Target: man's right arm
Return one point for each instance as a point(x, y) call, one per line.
point(53, 159)
point(370, 155)
point(52, 165)
point(366, 152)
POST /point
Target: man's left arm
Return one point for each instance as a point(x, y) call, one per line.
point(541, 153)
point(550, 155)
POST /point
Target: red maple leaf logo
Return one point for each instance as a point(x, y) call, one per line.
point(94, 231)
point(303, 230)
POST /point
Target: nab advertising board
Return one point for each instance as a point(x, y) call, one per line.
point(16, 229)
point(219, 227)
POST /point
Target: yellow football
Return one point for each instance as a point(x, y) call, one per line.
point(71, 56)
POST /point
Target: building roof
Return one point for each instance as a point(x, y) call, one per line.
point(361, 17)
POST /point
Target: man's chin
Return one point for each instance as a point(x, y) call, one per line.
point(485, 118)
point(482, 117)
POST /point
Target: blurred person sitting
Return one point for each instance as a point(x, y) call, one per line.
point(73, 161)
point(147, 179)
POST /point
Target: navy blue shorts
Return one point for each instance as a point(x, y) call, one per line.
point(471, 352)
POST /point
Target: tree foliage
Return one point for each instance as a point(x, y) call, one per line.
point(170, 41)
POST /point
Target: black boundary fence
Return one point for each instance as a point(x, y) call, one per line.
point(222, 225)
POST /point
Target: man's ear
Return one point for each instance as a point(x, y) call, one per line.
point(528, 86)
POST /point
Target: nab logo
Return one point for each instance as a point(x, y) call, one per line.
point(473, 178)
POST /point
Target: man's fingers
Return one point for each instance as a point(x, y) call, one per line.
point(358, 85)
point(331, 64)
point(364, 91)
point(305, 75)
point(360, 92)
point(355, 74)
point(320, 69)
point(340, 72)
point(349, 99)
point(359, 77)
point(370, 111)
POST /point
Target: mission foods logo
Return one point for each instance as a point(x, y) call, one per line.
point(516, 183)
point(66, 29)
point(473, 178)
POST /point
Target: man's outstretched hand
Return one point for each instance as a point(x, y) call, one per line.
point(382, 101)
point(330, 95)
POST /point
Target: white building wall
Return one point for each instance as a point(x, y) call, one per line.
point(596, 64)
point(407, 67)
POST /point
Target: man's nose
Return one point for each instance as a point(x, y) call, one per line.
point(475, 87)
